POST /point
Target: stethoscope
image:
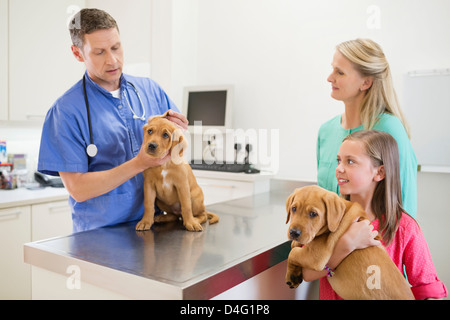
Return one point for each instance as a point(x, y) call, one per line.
point(91, 149)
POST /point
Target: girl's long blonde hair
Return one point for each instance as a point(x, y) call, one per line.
point(386, 204)
point(369, 60)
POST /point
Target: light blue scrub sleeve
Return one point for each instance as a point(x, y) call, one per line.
point(62, 146)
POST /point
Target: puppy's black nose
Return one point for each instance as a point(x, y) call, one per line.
point(294, 233)
point(152, 146)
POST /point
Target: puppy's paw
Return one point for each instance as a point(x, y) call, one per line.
point(144, 224)
point(294, 276)
point(193, 226)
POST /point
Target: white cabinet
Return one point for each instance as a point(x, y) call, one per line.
point(224, 186)
point(223, 190)
point(49, 220)
point(3, 60)
point(36, 62)
point(41, 65)
point(15, 275)
point(37, 221)
point(20, 225)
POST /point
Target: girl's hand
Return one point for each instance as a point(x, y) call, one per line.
point(360, 235)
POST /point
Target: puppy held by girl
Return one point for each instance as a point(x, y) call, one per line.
point(368, 173)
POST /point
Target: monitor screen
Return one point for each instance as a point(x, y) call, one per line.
point(212, 105)
point(208, 107)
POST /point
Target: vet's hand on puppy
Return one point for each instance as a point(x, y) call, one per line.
point(177, 118)
point(144, 161)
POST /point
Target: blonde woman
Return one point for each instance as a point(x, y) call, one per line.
point(362, 80)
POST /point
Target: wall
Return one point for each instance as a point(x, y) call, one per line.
point(433, 217)
point(134, 20)
point(135, 28)
point(278, 55)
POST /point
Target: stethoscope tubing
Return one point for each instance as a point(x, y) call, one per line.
point(91, 139)
point(92, 149)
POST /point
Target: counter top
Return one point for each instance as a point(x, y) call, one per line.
point(169, 262)
point(23, 196)
point(235, 176)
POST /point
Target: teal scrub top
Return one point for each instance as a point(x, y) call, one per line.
point(329, 141)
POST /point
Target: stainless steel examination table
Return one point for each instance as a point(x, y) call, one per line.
point(169, 262)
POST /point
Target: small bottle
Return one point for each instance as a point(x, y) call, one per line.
point(3, 153)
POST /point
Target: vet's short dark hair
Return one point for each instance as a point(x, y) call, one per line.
point(87, 21)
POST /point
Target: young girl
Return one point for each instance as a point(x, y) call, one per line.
point(368, 173)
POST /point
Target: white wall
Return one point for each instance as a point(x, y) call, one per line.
point(277, 53)
point(134, 20)
point(135, 27)
point(433, 201)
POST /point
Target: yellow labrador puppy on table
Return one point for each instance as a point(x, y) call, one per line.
point(172, 184)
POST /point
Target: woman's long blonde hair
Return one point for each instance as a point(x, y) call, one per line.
point(369, 60)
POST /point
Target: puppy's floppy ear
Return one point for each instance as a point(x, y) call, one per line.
point(150, 119)
point(335, 207)
point(289, 202)
point(164, 115)
point(179, 143)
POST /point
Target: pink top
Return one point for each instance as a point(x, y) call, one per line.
point(408, 248)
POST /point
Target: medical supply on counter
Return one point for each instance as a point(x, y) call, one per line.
point(7, 178)
point(19, 160)
point(3, 154)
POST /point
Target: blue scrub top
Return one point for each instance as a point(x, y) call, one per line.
point(116, 134)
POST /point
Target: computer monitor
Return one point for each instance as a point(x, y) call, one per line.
point(212, 105)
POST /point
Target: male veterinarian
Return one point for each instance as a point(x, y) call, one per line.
point(92, 135)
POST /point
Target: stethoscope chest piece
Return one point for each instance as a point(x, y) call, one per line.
point(91, 150)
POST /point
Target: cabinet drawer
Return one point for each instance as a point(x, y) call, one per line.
point(50, 220)
point(223, 190)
